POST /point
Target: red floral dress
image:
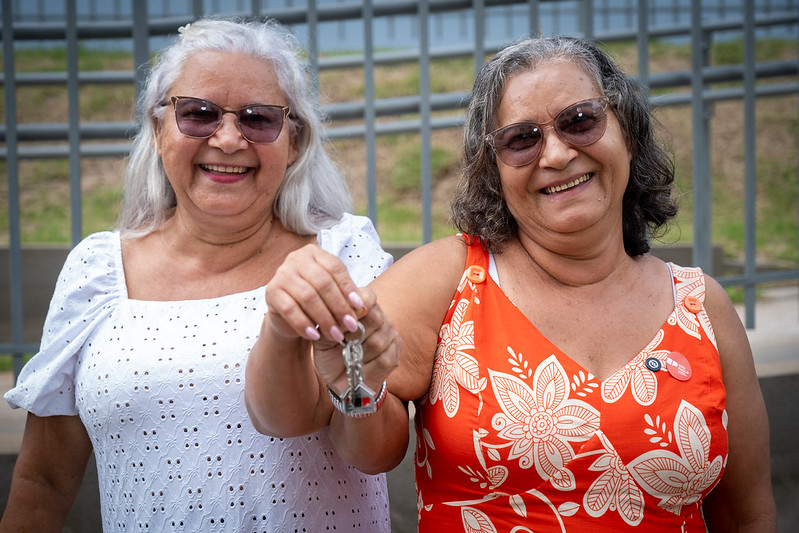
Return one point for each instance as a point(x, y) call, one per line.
point(516, 437)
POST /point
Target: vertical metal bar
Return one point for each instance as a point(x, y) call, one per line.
point(534, 9)
point(73, 134)
point(313, 46)
point(643, 42)
point(424, 112)
point(750, 154)
point(478, 7)
point(369, 109)
point(701, 149)
point(255, 8)
point(586, 19)
point(12, 168)
point(197, 8)
point(141, 44)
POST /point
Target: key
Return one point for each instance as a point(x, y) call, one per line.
point(359, 399)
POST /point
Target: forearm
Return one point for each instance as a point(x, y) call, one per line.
point(724, 523)
point(47, 475)
point(376, 443)
point(34, 507)
point(283, 393)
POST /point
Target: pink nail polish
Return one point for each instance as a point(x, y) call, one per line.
point(350, 323)
point(312, 334)
point(355, 299)
point(336, 334)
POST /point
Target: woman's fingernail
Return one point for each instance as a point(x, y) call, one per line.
point(350, 323)
point(312, 333)
point(355, 299)
point(336, 334)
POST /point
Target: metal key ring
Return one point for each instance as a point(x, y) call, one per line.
point(363, 334)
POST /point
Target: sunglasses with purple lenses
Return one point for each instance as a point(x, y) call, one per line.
point(580, 124)
point(257, 123)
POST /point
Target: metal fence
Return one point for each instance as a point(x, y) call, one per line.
point(448, 29)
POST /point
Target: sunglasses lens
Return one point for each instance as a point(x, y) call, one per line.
point(197, 118)
point(261, 123)
point(579, 125)
point(583, 123)
point(518, 144)
point(200, 118)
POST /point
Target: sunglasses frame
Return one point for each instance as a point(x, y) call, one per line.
point(237, 113)
point(603, 102)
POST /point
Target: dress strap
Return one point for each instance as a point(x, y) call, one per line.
point(673, 286)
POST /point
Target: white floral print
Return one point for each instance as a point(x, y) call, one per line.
point(540, 422)
point(614, 489)
point(454, 364)
point(680, 480)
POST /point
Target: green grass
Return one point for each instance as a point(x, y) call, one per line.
point(7, 363)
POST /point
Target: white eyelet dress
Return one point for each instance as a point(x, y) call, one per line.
point(160, 389)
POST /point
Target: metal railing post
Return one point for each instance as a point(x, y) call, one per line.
point(12, 170)
point(701, 142)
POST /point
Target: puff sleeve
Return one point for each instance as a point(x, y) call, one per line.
point(354, 240)
point(88, 288)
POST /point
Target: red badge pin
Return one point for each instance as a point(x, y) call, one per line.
point(678, 366)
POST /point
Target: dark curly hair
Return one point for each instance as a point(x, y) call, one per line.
point(479, 208)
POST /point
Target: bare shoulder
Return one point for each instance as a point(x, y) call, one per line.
point(448, 253)
point(744, 495)
point(722, 313)
point(425, 275)
point(735, 352)
point(415, 293)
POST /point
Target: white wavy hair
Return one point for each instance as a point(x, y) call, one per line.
point(313, 194)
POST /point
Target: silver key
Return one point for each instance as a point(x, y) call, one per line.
point(358, 398)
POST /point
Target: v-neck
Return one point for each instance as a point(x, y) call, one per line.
point(493, 277)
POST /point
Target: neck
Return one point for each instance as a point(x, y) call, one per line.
point(576, 266)
point(216, 247)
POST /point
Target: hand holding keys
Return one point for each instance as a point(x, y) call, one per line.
point(358, 400)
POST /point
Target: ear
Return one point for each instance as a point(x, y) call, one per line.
point(294, 148)
point(158, 126)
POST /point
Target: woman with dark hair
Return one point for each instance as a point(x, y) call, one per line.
point(143, 354)
point(563, 378)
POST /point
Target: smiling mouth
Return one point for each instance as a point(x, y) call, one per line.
point(221, 169)
point(566, 186)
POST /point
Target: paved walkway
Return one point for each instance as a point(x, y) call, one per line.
point(775, 338)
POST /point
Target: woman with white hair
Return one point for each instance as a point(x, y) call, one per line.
point(143, 352)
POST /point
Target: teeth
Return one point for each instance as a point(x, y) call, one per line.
point(228, 170)
point(559, 188)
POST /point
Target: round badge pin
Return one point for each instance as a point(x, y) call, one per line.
point(652, 364)
point(678, 366)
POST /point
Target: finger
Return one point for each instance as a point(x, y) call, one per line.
point(330, 365)
point(382, 346)
point(311, 289)
point(337, 292)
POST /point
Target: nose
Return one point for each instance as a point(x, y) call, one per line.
point(555, 152)
point(227, 136)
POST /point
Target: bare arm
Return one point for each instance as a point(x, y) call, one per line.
point(743, 500)
point(294, 361)
point(47, 474)
point(416, 293)
point(288, 362)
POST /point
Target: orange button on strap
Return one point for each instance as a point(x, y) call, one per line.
point(692, 303)
point(476, 274)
